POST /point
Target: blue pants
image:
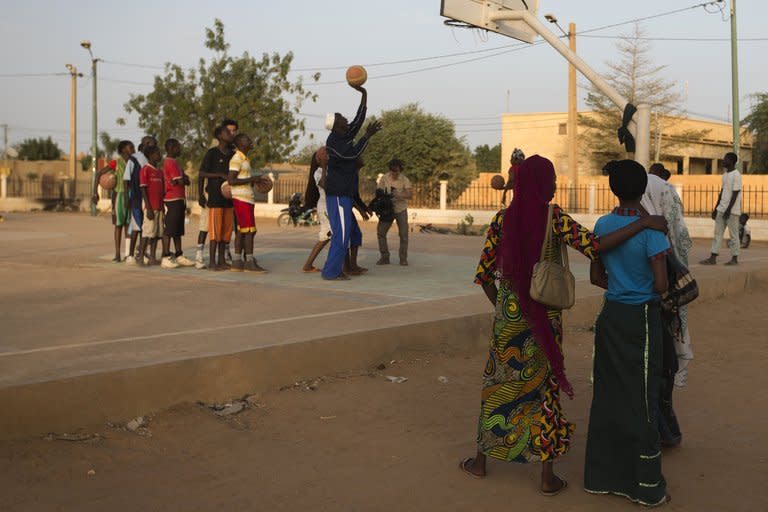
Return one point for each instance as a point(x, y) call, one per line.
point(339, 211)
point(355, 235)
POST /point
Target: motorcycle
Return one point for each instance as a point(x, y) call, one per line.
point(297, 215)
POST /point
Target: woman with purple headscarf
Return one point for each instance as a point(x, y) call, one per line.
point(521, 419)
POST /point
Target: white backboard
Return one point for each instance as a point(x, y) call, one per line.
point(478, 12)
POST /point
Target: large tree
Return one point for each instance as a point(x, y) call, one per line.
point(257, 92)
point(757, 123)
point(638, 79)
point(488, 159)
point(38, 149)
point(426, 143)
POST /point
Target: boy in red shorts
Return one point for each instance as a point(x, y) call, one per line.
point(175, 207)
point(152, 192)
point(241, 182)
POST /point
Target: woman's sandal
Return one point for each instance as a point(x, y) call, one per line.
point(463, 467)
point(556, 491)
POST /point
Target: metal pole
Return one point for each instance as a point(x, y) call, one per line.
point(589, 73)
point(573, 161)
point(643, 137)
point(735, 83)
point(73, 130)
point(94, 138)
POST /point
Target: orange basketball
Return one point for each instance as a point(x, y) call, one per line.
point(226, 190)
point(264, 185)
point(108, 181)
point(356, 76)
point(322, 156)
point(497, 182)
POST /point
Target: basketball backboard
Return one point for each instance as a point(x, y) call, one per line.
point(479, 13)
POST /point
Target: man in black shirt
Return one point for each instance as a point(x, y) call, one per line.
point(215, 169)
point(341, 181)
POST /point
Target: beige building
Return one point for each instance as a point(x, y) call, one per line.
point(546, 133)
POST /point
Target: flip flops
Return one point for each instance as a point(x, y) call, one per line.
point(463, 467)
point(557, 491)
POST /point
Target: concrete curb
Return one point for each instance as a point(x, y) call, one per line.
point(88, 401)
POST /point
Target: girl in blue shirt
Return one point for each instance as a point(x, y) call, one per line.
point(623, 443)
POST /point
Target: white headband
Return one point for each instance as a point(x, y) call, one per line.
point(330, 120)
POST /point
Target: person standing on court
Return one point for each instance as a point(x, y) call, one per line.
point(727, 212)
point(340, 186)
point(399, 187)
point(215, 170)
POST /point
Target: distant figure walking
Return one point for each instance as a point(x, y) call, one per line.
point(727, 212)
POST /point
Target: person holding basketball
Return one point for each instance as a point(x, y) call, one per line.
point(341, 183)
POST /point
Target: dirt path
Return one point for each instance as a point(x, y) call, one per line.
point(359, 442)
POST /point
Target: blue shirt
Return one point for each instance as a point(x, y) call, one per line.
point(342, 158)
point(630, 278)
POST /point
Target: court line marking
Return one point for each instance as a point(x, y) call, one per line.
point(204, 330)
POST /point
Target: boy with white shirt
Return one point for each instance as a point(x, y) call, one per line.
point(241, 182)
point(727, 212)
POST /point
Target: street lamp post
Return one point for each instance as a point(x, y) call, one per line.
point(73, 129)
point(94, 123)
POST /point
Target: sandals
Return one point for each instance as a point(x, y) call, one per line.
point(556, 491)
point(463, 467)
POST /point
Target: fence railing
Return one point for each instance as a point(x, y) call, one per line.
point(698, 200)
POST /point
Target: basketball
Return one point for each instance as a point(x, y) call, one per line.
point(264, 185)
point(107, 181)
point(226, 190)
point(497, 182)
point(322, 156)
point(356, 76)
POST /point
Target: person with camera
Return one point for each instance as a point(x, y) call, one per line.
point(399, 188)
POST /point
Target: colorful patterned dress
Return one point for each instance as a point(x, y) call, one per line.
point(520, 417)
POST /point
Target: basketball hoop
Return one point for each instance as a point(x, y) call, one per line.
point(458, 24)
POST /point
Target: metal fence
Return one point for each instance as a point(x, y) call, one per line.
point(698, 200)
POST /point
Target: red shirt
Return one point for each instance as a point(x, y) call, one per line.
point(151, 178)
point(174, 191)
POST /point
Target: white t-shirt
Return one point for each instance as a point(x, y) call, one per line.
point(321, 200)
point(240, 164)
point(731, 184)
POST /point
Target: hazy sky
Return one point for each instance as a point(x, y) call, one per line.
point(39, 36)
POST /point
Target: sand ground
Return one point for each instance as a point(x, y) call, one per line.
point(359, 442)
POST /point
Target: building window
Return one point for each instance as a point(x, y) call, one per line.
point(562, 129)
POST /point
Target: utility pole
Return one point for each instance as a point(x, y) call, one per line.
point(73, 128)
point(573, 158)
point(5, 141)
point(735, 83)
point(94, 124)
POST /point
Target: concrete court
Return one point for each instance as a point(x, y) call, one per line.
point(80, 333)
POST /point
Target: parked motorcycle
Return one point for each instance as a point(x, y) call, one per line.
point(296, 215)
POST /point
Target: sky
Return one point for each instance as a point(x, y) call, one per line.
point(38, 36)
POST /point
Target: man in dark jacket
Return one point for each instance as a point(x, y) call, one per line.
point(341, 181)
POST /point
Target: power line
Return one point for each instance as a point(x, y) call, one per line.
point(692, 39)
point(30, 75)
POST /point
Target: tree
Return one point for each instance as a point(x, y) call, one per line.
point(426, 143)
point(38, 149)
point(107, 145)
point(757, 123)
point(488, 159)
point(188, 105)
point(304, 155)
point(638, 80)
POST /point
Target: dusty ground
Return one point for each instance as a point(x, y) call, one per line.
point(358, 442)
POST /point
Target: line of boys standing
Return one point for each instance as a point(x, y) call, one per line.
point(149, 204)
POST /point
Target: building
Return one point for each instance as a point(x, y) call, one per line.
point(546, 133)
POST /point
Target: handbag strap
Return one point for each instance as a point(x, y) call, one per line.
point(547, 234)
point(548, 240)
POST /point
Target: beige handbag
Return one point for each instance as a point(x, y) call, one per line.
point(552, 284)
